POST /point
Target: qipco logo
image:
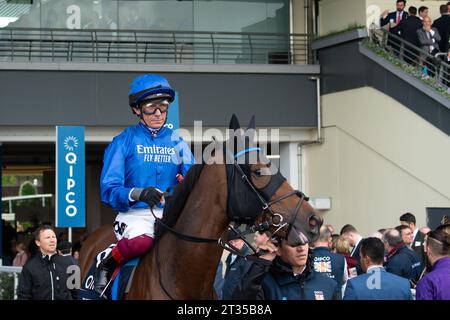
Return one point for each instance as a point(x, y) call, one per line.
point(70, 143)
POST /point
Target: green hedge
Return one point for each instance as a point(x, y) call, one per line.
point(6, 286)
point(409, 69)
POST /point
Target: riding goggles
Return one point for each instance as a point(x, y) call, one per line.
point(149, 108)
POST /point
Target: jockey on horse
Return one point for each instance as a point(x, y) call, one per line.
point(138, 164)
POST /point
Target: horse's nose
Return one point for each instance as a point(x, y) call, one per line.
point(315, 222)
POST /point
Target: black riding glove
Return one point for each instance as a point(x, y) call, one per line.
point(149, 195)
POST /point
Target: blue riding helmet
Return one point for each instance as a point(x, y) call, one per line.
point(149, 86)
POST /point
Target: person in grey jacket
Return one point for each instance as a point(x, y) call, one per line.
point(429, 37)
point(429, 41)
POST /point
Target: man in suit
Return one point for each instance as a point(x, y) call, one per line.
point(350, 233)
point(392, 20)
point(423, 12)
point(376, 283)
point(429, 37)
point(408, 31)
point(442, 25)
point(395, 17)
point(408, 219)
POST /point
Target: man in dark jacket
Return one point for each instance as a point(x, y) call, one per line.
point(331, 264)
point(285, 273)
point(392, 20)
point(44, 276)
point(408, 31)
point(395, 17)
point(65, 251)
point(353, 237)
point(408, 219)
point(400, 259)
point(236, 266)
point(442, 25)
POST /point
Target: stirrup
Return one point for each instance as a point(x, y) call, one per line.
point(101, 281)
point(103, 274)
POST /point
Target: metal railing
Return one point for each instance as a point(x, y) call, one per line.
point(423, 63)
point(19, 198)
point(9, 281)
point(132, 46)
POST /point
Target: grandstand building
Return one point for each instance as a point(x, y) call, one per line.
point(362, 139)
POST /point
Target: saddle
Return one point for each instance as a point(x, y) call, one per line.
point(119, 284)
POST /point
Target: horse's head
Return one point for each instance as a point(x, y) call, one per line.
point(259, 194)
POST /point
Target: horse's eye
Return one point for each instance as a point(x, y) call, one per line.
point(258, 172)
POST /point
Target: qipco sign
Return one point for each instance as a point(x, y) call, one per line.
point(70, 177)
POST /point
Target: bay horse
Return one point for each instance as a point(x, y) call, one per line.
point(183, 263)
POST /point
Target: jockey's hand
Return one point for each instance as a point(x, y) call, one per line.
point(268, 250)
point(152, 196)
point(179, 178)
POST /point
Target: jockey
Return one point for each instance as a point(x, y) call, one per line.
point(139, 164)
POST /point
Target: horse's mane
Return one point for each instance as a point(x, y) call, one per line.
point(176, 201)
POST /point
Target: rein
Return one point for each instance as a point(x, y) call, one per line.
point(180, 235)
point(265, 206)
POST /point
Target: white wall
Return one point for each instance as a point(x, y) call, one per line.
point(378, 161)
point(335, 15)
point(289, 164)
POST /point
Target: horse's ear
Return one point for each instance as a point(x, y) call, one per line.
point(252, 123)
point(234, 123)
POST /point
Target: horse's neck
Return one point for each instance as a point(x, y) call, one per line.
point(193, 265)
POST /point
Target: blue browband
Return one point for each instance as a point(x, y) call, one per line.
point(240, 153)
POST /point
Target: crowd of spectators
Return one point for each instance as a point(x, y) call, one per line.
point(419, 31)
point(400, 262)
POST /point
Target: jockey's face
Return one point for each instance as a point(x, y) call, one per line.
point(154, 113)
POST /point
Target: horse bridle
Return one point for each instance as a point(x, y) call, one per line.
point(264, 226)
point(275, 219)
point(265, 207)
